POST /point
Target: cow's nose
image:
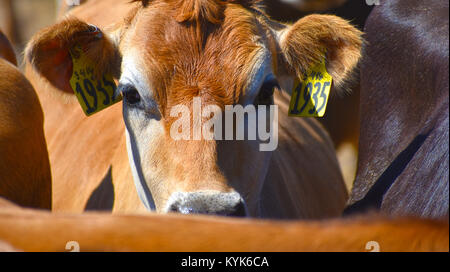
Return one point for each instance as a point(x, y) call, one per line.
point(207, 202)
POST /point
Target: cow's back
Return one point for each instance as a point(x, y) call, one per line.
point(403, 162)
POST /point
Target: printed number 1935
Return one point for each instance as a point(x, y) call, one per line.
point(90, 92)
point(94, 95)
point(310, 96)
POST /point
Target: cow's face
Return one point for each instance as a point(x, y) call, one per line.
point(168, 64)
point(183, 64)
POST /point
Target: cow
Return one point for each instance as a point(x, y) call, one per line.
point(219, 52)
point(24, 165)
point(31, 230)
point(404, 157)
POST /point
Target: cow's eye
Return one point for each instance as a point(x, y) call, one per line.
point(266, 92)
point(130, 94)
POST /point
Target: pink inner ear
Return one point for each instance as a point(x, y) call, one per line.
point(59, 70)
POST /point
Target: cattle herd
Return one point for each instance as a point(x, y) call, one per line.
point(110, 176)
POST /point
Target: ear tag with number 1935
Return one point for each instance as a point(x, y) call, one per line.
point(93, 94)
point(310, 97)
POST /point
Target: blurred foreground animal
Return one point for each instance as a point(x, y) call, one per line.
point(31, 230)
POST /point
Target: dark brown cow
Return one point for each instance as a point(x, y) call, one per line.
point(404, 155)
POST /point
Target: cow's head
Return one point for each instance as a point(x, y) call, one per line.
point(168, 53)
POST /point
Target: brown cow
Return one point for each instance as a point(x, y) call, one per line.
point(224, 53)
point(24, 165)
point(31, 230)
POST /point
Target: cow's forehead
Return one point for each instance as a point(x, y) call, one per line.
point(204, 59)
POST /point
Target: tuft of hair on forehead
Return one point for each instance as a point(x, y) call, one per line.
point(200, 10)
point(211, 11)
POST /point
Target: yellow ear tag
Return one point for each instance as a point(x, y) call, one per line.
point(310, 97)
point(93, 94)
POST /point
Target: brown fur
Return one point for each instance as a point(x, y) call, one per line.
point(42, 231)
point(227, 45)
point(24, 167)
point(6, 50)
point(317, 34)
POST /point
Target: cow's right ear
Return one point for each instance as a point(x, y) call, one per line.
point(49, 51)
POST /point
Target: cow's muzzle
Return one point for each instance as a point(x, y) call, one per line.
point(207, 202)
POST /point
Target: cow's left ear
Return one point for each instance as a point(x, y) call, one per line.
point(49, 51)
point(304, 44)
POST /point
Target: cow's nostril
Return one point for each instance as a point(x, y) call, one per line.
point(173, 208)
point(239, 210)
